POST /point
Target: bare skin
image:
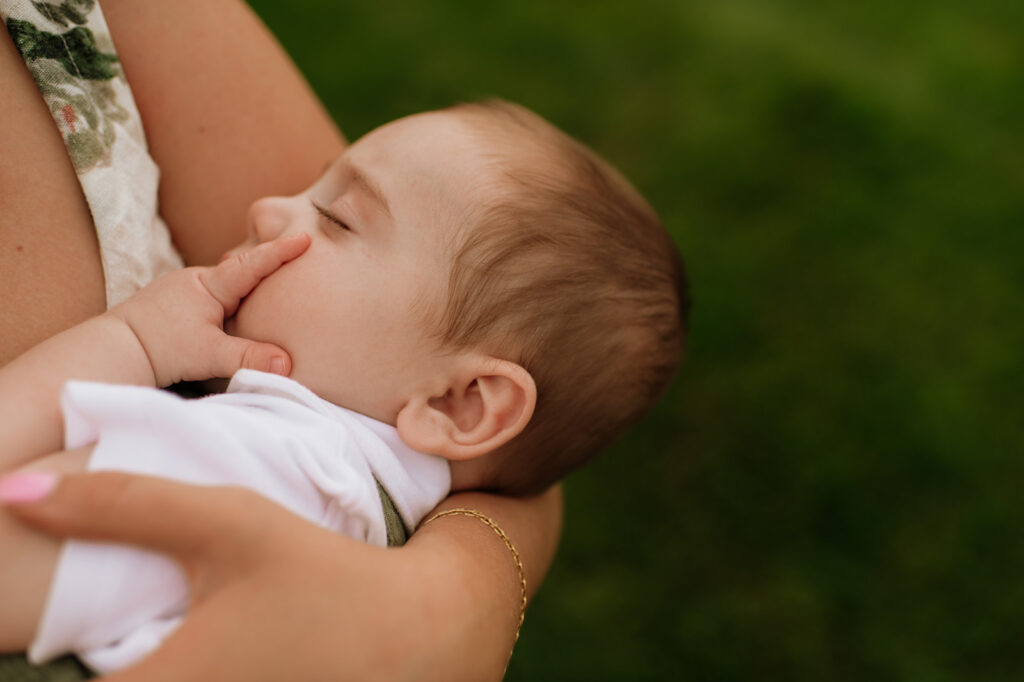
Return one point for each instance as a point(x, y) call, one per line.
point(454, 573)
point(228, 120)
point(49, 259)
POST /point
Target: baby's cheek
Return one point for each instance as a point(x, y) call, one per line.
point(248, 321)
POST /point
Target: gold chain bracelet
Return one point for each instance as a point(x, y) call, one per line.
point(508, 543)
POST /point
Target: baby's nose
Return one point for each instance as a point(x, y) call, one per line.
point(269, 217)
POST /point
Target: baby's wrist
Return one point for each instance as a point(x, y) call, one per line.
point(130, 346)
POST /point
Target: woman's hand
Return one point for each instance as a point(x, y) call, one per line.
point(274, 597)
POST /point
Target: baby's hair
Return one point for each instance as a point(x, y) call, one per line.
point(568, 271)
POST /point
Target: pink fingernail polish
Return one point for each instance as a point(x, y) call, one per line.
point(26, 487)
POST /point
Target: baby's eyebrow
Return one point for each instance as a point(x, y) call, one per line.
point(371, 188)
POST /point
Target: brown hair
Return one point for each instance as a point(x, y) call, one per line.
point(570, 273)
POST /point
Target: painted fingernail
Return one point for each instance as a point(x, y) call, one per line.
point(277, 365)
point(27, 487)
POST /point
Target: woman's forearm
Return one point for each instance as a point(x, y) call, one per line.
point(473, 604)
point(534, 524)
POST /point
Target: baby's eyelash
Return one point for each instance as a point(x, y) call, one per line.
point(330, 217)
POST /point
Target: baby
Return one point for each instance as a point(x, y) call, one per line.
point(466, 299)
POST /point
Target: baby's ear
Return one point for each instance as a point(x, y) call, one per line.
point(487, 402)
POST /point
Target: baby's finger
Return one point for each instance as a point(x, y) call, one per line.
point(233, 279)
point(234, 353)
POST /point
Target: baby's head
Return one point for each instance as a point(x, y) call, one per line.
point(483, 282)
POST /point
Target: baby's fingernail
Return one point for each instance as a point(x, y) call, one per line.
point(26, 487)
point(277, 365)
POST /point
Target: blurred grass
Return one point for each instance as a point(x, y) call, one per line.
point(831, 490)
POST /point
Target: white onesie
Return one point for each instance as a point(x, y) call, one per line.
point(111, 605)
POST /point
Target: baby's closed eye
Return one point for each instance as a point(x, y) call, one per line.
point(330, 217)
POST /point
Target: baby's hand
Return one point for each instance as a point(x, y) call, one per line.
point(179, 318)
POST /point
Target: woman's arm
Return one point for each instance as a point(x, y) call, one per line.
point(228, 117)
point(299, 602)
point(477, 572)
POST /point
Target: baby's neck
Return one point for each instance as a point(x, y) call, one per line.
point(468, 474)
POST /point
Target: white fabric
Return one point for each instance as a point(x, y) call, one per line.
point(111, 605)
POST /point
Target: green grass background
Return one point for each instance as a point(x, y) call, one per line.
point(832, 488)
